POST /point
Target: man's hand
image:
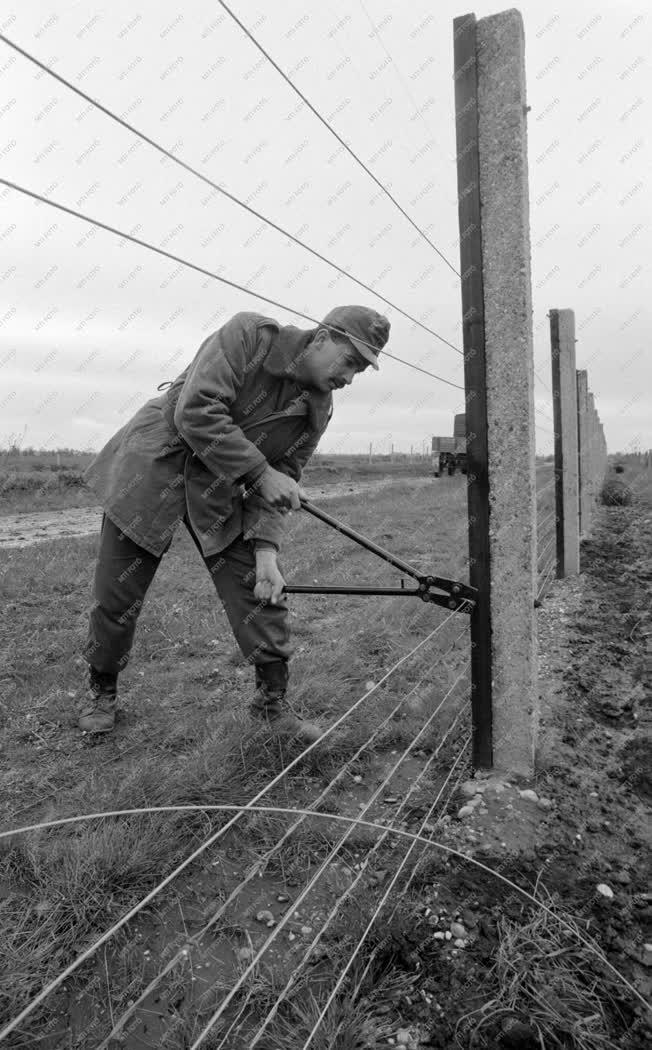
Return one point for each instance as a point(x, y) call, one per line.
point(279, 490)
point(269, 581)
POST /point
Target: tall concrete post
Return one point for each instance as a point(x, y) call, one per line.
point(592, 464)
point(583, 451)
point(493, 206)
point(564, 407)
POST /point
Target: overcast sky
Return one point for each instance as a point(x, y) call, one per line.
point(90, 324)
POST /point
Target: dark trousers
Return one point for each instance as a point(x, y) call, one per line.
point(123, 574)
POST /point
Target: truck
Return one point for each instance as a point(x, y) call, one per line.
point(449, 453)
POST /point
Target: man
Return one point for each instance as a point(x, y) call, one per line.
point(222, 451)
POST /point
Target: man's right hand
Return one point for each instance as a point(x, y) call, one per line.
point(279, 490)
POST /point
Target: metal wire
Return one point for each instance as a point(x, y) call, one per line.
point(426, 821)
point(546, 543)
point(339, 138)
point(377, 911)
point(208, 273)
point(542, 381)
point(314, 879)
point(262, 862)
point(349, 889)
point(546, 487)
point(88, 952)
point(373, 825)
point(545, 575)
point(209, 182)
point(548, 517)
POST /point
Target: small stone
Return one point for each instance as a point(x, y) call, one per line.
point(305, 930)
point(357, 779)
point(266, 917)
point(473, 787)
point(622, 877)
point(402, 1037)
point(457, 930)
point(282, 898)
point(544, 803)
point(439, 936)
point(369, 684)
point(459, 942)
point(529, 795)
point(448, 935)
point(465, 811)
point(290, 936)
point(242, 954)
point(605, 891)
point(475, 802)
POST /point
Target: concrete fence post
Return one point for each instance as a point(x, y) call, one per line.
point(493, 206)
point(564, 407)
point(583, 451)
point(592, 464)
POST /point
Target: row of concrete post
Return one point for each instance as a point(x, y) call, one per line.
point(496, 291)
point(580, 445)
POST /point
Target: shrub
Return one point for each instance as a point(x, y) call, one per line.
point(615, 493)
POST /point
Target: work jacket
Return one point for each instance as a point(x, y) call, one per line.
point(193, 450)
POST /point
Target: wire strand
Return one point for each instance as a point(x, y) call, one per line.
point(88, 952)
point(545, 581)
point(542, 381)
point(339, 138)
point(349, 889)
point(312, 882)
point(376, 913)
point(262, 862)
point(548, 517)
point(294, 811)
point(546, 487)
point(208, 273)
point(230, 196)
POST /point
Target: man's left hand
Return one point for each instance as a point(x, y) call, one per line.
point(269, 581)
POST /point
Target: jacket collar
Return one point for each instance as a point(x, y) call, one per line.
point(287, 346)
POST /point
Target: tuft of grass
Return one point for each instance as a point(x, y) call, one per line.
point(548, 985)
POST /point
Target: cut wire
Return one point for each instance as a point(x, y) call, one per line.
point(349, 889)
point(380, 906)
point(294, 811)
point(262, 862)
point(323, 867)
point(88, 952)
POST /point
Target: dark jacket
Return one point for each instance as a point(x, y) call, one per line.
point(235, 409)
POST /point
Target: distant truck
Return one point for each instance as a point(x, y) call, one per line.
point(449, 453)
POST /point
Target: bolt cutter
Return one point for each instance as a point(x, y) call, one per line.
point(435, 589)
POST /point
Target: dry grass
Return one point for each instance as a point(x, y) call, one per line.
point(548, 984)
point(183, 736)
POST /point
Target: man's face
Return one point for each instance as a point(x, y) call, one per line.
point(331, 365)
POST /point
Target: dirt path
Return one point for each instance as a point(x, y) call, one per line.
point(24, 529)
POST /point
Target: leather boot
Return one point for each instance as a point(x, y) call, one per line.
point(98, 715)
point(271, 706)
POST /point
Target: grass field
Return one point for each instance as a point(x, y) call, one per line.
point(183, 738)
